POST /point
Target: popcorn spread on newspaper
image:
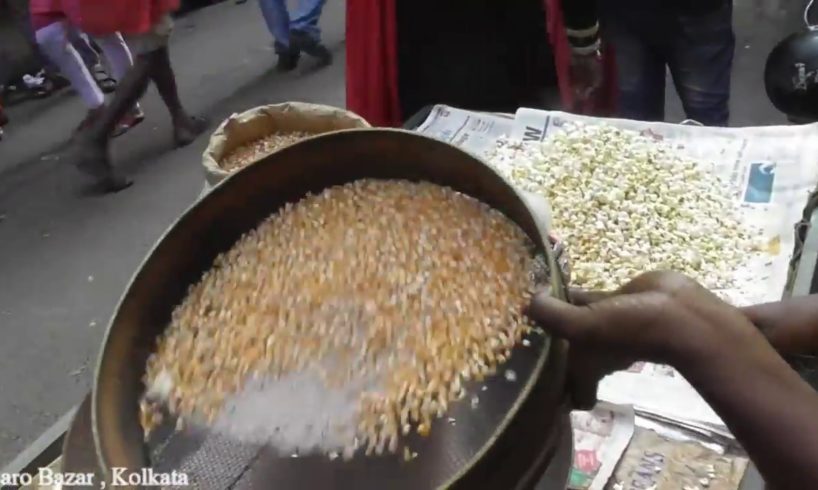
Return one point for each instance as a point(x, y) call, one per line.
point(770, 172)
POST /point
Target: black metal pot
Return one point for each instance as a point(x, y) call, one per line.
point(791, 76)
point(505, 443)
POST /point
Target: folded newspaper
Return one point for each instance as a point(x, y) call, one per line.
point(783, 156)
point(654, 462)
point(600, 438)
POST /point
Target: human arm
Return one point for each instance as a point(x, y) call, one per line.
point(668, 318)
point(791, 325)
point(581, 19)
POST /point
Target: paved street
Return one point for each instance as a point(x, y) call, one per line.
point(66, 255)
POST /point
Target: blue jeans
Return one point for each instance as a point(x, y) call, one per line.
point(280, 23)
point(697, 49)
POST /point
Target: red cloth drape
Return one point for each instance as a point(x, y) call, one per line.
point(372, 65)
point(372, 61)
point(101, 17)
point(45, 6)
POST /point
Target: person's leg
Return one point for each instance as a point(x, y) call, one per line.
point(120, 60)
point(277, 18)
point(305, 19)
point(83, 46)
point(54, 43)
point(640, 66)
point(152, 63)
point(116, 51)
point(304, 31)
point(90, 56)
point(185, 127)
point(23, 21)
point(701, 63)
point(90, 152)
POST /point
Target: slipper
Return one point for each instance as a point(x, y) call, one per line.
point(41, 90)
point(105, 82)
point(130, 121)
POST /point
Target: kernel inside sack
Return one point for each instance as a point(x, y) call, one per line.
point(376, 301)
point(255, 150)
point(626, 204)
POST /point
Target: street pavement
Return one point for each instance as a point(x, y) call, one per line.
point(66, 254)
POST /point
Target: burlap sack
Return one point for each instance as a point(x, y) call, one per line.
point(261, 121)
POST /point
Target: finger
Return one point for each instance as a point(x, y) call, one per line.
point(636, 321)
point(583, 386)
point(562, 318)
point(586, 368)
point(582, 297)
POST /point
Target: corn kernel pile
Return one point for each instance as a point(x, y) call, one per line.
point(626, 204)
point(254, 151)
point(408, 289)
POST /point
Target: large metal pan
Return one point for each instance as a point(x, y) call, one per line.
point(504, 442)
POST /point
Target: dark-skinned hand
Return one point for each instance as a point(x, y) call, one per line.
point(662, 317)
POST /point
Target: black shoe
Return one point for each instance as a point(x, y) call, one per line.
point(311, 46)
point(287, 60)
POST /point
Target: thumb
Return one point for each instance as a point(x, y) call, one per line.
point(561, 318)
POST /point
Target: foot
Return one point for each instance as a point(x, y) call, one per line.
point(104, 81)
point(89, 119)
point(131, 120)
point(312, 46)
point(287, 60)
point(114, 183)
point(188, 128)
point(92, 158)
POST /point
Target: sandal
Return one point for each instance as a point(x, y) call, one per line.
point(38, 87)
point(131, 120)
point(105, 82)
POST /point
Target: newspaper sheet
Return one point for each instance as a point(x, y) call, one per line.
point(475, 132)
point(657, 463)
point(663, 395)
point(600, 438)
point(771, 171)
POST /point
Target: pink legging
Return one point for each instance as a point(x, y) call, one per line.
point(53, 40)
